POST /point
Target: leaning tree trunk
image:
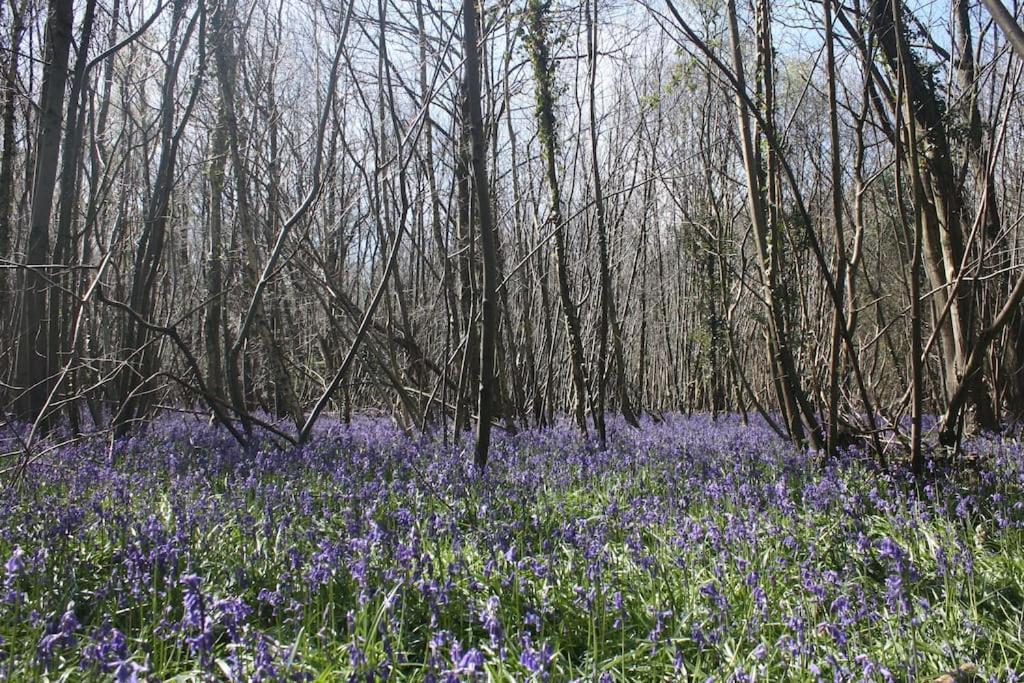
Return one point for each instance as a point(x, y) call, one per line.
point(941, 199)
point(800, 420)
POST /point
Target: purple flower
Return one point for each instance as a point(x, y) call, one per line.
point(59, 635)
point(193, 602)
point(492, 622)
point(471, 662)
point(195, 621)
point(531, 660)
point(233, 615)
point(128, 672)
point(15, 563)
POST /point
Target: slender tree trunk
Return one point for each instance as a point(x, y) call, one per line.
point(800, 419)
point(213, 320)
point(839, 236)
point(1007, 23)
point(544, 75)
point(447, 280)
point(222, 22)
point(488, 300)
point(916, 351)
point(469, 373)
point(62, 308)
point(136, 385)
point(609, 317)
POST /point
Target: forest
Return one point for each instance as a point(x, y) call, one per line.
point(500, 340)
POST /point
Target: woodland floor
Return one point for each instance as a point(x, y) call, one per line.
point(688, 550)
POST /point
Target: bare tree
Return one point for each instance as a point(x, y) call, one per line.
point(488, 302)
point(544, 75)
point(34, 370)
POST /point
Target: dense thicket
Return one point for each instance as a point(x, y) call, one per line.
point(502, 211)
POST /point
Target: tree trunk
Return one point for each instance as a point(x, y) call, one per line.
point(609, 317)
point(136, 387)
point(213, 320)
point(222, 24)
point(10, 151)
point(488, 299)
point(940, 197)
point(34, 358)
point(800, 420)
point(544, 74)
point(62, 307)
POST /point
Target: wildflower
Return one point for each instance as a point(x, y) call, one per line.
point(531, 660)
point(492, 623)
point(196, 621)
point(233, 612)
point(193, 601)
point(128, 672)
point(894, 595)
point(15, 563)
point(471, 662)
point(263, 661)
point(60, 635)
point(660, 618)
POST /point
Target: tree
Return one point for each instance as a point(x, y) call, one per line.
point(543, 72)
point(488, 301)
point(34, 369)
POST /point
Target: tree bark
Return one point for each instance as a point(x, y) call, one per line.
point(609, 317)
point(34, 357)
point(481, 187)
point(940, 197)
point(800, 419)
point(10, 151)
point(544, 74)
